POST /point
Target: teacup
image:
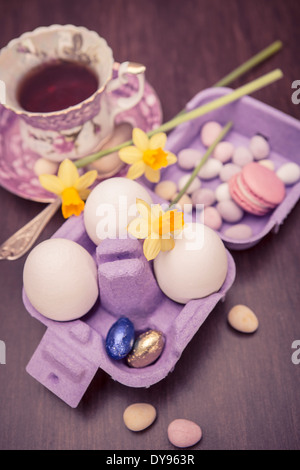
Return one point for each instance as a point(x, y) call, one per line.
point(76, 130)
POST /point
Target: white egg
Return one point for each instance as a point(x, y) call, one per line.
point(111, 206)
point(195, 268)
point(60, 279)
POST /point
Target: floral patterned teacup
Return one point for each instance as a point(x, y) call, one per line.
point(76, 131)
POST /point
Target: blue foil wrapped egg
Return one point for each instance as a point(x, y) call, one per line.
point(120, 339)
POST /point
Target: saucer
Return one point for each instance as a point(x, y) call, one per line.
point(16, 164)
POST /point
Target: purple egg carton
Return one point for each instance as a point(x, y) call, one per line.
point(249, 117)
point(70, 353)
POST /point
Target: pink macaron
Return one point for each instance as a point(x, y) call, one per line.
point(256, 189)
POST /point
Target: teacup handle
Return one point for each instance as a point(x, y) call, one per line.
point(124, 69)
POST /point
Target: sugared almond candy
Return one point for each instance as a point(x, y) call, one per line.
point(166, 189)
point(243, 319)
point(289, 173)
point(44, 166)
point(195, 184)
point(184, 433)
point(267, 163)
point(259, 147)
point(188, 158)
point(209, 132)
point(210, 169)
point(184, 203)
point(242, 156)
point(224, 151)
point(139, 416)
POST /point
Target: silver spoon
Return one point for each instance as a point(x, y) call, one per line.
point(21, 241)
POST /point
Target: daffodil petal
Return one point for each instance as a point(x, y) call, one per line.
point(130, 154)
point(84, 193)
point(171, 158)
point(158, 141)
point(156, 211)
point(151, 247)
point(139, 228)
point(152, 175)
point(136, 170)
point(68, 173)
point(143, 208)
point(140, 139)
point(167, 244)
point(86, 180)
point(51, 183)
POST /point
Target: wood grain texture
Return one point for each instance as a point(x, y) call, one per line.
point(242, 390)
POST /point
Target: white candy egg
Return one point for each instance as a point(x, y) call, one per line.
point(196, 267)
point(192, 187)
point(60, 279)
point(289, 173)
point(111, 206)
point(210, 169)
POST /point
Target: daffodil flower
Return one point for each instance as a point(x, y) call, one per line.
point(157, 227)
point(147, 155)
point(69, 186)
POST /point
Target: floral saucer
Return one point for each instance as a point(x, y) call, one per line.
point(16, 163)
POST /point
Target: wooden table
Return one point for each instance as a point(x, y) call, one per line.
point(244, 391)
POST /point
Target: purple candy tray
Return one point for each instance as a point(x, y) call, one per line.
point(70, 353)
point(249, 117)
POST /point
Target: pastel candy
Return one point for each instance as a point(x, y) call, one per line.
point(211, 217)
point(184, 433)
point(184, 203)
point(267, 163)
point(228, 171)
point(188, 158)
point(223, 151)
point(289, 173)
point(203, 196)
point(139, 416)
point(243, 319)
point(209, 132)
point(210, 169)
point(259, 147)
point(242, 156)
point(222, 192)
point(230, 211)
point(44, 166)
point(239, 232)
point(193, 186)
point(165, 189)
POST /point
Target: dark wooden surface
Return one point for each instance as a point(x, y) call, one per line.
point(244, 391)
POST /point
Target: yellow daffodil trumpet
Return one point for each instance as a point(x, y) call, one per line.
point(156, 227)
point(69, 186)
point(147, 155)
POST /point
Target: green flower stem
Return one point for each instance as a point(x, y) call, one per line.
point(250, 64)
point(204, 159)
point(195, 113)
point(246, 66)
point(222, 101)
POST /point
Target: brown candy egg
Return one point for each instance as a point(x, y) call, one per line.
point(146, 349)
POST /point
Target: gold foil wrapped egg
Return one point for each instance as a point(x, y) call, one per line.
point(146, 349)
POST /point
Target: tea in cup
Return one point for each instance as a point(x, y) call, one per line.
point(59, 81)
